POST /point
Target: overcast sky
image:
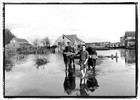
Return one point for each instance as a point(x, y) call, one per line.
point(91, 23)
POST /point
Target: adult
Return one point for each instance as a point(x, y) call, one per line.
point(92, 58)
point(68, 55)
point(65, 58)
point(84, 55)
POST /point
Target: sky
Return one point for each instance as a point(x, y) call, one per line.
point(91, 23)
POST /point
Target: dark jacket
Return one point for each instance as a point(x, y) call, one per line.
point(91, 51)
point(69, 49)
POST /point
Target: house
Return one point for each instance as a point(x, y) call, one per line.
point(116, 44)
point(17, 43)
point(122, 41)
point(61, 42)
point(90, 44)
point(98, 44)
point(130, 39)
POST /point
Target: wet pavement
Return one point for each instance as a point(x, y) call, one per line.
point(114, 77)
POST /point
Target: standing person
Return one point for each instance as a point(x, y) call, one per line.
point(67, 51)
point(92, 58)
point(65, 58)
point(84, 55)
point(72, 56)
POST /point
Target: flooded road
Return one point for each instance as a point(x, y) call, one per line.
point(115, 77)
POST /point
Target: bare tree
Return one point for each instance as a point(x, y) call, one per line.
point(46, 41)
point(36, 42)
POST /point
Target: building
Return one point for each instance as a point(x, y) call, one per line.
point(130, 39)
point(98, 44)
point(17, 43)
point(116, 44)
point(61, 42)
point(122, 41)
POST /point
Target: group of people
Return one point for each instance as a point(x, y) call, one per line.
point(87, 57)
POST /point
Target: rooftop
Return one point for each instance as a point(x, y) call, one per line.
point(73, 38)
point(130, 34)
point(20, 40)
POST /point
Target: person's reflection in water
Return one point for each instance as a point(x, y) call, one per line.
point(69, 82)
point(83, 87)
point(92, 83)
point(88, 84)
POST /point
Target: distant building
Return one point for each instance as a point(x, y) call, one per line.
point(90, 44)
point(98, 44)
point(17, 43)
point(130, 39)
point(116, 44)
point(61, 42)
point(122, 41)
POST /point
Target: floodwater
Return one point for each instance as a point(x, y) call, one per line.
point(114, 77)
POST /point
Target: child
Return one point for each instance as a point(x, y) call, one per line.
point(84, 55)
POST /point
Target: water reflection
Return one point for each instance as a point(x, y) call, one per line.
point(83, 87)
point(51, 81)
point(129, 56)
point(40, 62)
point(69, 82)
point(20, 58)
point(92, 83)
point(88, 84)
point(11, 59)
point(9, 64)
point(122, 53)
